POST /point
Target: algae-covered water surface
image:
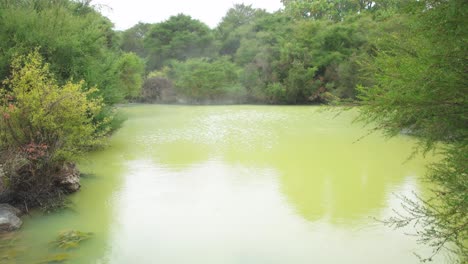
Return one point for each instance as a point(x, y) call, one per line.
point(233, 184)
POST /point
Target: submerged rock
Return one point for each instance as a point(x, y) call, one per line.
point(69, 178)
point(71, 239)
point(55, 258)
point(9, 219)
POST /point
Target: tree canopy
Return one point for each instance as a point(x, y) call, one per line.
point(419, 74)
point(178, 38)
point(62, 70)
point(75, 39)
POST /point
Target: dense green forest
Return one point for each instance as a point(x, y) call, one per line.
point(260, 57)
point(310, 52)
point(63, 68)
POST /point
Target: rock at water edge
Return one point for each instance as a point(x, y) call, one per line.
point(9, 219)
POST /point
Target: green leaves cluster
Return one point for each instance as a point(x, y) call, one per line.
point(53, 56)
point(44, 126)
point(178, 38)
point(37, 111)
point(199, 79)
point(419, 85)
point(336, 10)
point(280, 58)
point(75, 39)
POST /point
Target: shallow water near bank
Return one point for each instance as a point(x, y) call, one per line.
point(237, 184)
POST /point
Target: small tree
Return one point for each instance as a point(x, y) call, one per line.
point(42, 126)
point(130, 69)
point(203, 79)
point(420, 77)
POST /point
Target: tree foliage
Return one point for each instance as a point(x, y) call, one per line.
point(37, 110)
point(335, 10)
point(178, 38)
point(75, 39)
point(419, 72)
point(51, 110)
point(132, 39)
point(312, 60)
point(199, 79)
point(43, 125)
point(129, 69)
point(235, 25)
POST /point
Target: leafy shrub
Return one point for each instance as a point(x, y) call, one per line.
point(202, 79)
point(43, 125)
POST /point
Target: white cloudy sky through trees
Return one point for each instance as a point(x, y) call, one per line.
point(126, 13)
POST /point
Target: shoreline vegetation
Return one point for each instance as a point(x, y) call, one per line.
point(64, 69)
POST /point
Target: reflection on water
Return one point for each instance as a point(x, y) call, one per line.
point(239, 184)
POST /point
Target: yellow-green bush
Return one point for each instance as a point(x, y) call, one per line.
point(43, 125)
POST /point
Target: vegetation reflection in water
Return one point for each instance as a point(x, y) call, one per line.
point(237, 184)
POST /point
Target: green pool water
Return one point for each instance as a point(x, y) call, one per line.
point(237, 184)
